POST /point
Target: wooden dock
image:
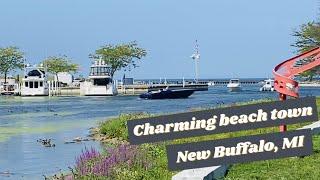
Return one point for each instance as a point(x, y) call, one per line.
point(136, 89)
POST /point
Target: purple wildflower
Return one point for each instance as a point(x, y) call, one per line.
point(92, 162)
point(82, 161)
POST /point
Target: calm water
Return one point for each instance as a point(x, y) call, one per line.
point(23, 120)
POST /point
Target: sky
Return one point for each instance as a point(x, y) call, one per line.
point(237, 38)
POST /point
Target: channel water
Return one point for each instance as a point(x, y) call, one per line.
point(24, 120)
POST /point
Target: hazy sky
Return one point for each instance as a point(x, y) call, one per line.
point(238, 38)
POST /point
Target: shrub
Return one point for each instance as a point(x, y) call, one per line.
point(117, 127)
point(93, 164)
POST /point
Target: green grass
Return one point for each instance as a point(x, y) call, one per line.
point(116, 128)
point(287, 168)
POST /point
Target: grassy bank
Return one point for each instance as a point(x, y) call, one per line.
point(151, 159)
point(287, 168)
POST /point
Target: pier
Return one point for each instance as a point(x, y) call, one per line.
point(142, 88)
point(224, 82)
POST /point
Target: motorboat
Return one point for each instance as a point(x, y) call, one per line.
point(268, 85)
point(99, 82)
point(35, 81)
point(210, 83)
point(234, 85)
point(168, 94)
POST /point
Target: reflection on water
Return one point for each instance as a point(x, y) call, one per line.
point(24, 120)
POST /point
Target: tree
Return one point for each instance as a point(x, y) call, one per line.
point(56, 64)
point(307, 38)
point(10, 59)
point(120, 56)
point(309, 74)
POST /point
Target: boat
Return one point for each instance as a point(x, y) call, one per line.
point(210, 83)
point(35, 81)
point(99, 82)
point(9, 89)
point(268, 85)
point(234, 85)
point(167, 94)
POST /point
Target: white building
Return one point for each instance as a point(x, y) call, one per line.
point(64, 77)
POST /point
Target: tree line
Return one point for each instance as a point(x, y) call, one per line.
point(119, 56)
point(307, 38)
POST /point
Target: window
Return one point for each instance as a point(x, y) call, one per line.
point(94, 71)
point(31, 84)
point(26, 84)
point(41, 83)
point(101, 82)
point(98, 71)
point(36, 84)
point(105, 71)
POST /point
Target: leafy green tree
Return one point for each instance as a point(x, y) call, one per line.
point(310, 73)
point(10, 59)
point(56, 64)
point(307, 38)
point(120, 56)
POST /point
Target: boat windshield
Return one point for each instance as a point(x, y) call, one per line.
point(100, 71)
point(36, 73)
point(101, 81)
point(234, 81)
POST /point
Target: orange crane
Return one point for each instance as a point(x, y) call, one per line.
point(284, 72)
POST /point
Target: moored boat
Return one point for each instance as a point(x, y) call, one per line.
point(234, 85)
point(100, 82)
point(35, 81)
point(168, 94)
point(268, 85)
point(9, 89)
point(210, 83)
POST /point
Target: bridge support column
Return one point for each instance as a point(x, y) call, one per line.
point(282, 97)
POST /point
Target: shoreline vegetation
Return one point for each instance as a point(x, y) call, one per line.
point(120, 160)
point(309, 84)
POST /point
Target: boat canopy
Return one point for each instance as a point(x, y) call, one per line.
point(35, 73)
point(234, 80)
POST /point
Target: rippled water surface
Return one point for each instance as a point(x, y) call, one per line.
point(23, 120)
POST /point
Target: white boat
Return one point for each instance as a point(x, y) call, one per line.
point(35, 82)
point(268, 85)
point(9, 89)
point(99, 82)
point(234, 85)
point(210, 83)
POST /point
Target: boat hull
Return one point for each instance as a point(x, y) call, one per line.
point(88, 89)
point(7, 93)
point(168, 94)
point(267, 89)
point(35, 93)
point(234, 89)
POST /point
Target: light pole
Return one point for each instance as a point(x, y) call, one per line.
point(196, 57)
